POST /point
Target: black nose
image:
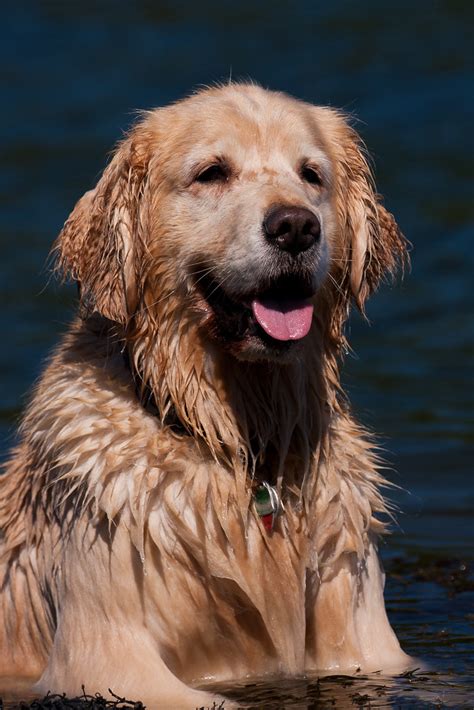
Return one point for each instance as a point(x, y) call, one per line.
point(293, 229)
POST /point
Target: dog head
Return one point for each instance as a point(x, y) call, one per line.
point(245, 211)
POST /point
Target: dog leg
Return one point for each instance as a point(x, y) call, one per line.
point(124, 660)
point(349, 629)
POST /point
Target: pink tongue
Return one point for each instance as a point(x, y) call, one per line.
point(283, 320)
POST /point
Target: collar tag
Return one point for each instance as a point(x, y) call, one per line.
point(267, 505)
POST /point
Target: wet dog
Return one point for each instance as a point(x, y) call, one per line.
point(191, 498)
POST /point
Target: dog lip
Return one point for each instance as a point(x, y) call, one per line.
point(285, 287)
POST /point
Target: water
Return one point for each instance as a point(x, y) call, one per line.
point(71, 75)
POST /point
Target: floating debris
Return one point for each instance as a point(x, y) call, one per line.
point(456, 575)
point(55, 701)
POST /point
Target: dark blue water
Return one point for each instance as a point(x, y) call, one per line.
point(71, 75)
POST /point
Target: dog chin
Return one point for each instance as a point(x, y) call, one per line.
point(257, 348)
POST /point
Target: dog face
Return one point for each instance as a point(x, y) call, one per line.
point(248, 207)
point(249, 196)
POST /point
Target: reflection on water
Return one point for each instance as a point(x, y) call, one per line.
point(71, 73)
point(421, 689)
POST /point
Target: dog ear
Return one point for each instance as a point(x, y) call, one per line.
point(373, 245)
point(98, 244)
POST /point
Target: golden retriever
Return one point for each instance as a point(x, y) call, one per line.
point(191, 499)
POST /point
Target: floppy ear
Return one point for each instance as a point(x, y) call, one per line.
point(98, 243)
point(373, 245)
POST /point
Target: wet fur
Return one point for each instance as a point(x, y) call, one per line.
point(131, 556)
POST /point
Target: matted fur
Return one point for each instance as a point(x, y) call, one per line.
point(131, 554)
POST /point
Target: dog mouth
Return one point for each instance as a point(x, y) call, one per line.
point(278, 313)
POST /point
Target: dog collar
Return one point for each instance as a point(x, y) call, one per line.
point(267, 504)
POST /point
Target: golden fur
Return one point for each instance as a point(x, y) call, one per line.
point(131, 555)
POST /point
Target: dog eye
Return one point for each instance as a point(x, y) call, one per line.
point(213, 173)
point(310, 175)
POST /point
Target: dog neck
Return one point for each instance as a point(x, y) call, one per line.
point(262, 419)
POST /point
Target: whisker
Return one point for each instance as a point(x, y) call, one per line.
point(204, 273)
point(218, 286)
point(150, 305)
point(191, 265)
point(338, 286)
point(344, 260)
